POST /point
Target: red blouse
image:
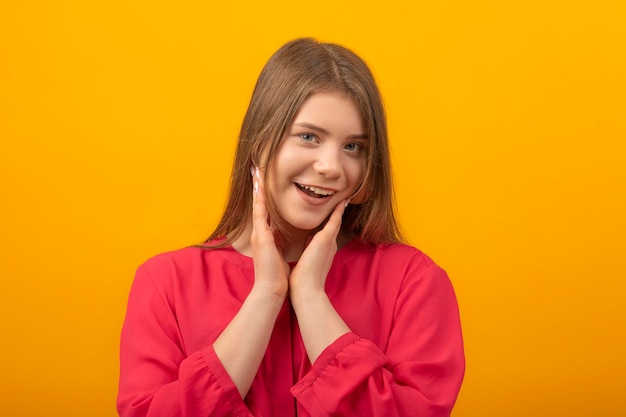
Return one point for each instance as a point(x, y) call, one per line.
point(403, 356)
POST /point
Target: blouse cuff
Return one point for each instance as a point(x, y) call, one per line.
point(230, 393)
point(322, 362)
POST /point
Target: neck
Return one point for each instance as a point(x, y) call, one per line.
point(292, 248)
point(296, 244)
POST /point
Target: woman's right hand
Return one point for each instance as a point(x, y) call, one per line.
point(243, 343)
point(271, 271)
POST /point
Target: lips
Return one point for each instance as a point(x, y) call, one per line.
point(316, 192)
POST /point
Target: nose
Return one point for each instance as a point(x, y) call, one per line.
point(328, 162)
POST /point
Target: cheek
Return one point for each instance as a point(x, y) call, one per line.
point(357, 179)
point(279, 174)
point(357, 172)
point(289, 162)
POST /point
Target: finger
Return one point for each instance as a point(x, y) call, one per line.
point(333, 225)
point(254, 185)
point(259, 209)
point(278, 239)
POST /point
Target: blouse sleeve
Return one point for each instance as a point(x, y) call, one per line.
point(419, 373)
point(157, 378)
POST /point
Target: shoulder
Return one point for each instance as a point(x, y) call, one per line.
point(404, 251)
point(403, 264)
point(165, 269)
point(421, 281)
point(192, 257)
point(194, 263)
point(176, 265)
point(188, 280)
point(396, 254)
point(172, 260)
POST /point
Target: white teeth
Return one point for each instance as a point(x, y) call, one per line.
point(318, 191)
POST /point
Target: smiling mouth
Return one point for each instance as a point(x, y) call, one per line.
point(314, 191)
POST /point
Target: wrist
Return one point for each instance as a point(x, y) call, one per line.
point(269, 293)
point(307, 294)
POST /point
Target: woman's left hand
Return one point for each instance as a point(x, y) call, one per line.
point(309, 274)
point(319, 322)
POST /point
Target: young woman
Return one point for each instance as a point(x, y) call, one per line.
point(304, 301)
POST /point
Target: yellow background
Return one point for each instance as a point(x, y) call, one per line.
point(118, 122)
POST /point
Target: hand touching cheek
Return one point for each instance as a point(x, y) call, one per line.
point(309, 274)
point(270, 269)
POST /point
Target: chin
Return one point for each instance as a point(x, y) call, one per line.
point(305, 225)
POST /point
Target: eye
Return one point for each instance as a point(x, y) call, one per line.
point(354, 147)
point(307, 137)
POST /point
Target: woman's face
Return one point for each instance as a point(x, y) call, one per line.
point(320, 161)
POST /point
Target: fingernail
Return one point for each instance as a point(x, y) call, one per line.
point(347, 202)
point(257, 172)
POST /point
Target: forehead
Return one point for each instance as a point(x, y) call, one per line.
point(335, 112)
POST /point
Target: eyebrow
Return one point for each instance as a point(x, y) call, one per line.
point(326, 132)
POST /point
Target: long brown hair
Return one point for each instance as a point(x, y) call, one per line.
point(296, 71)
